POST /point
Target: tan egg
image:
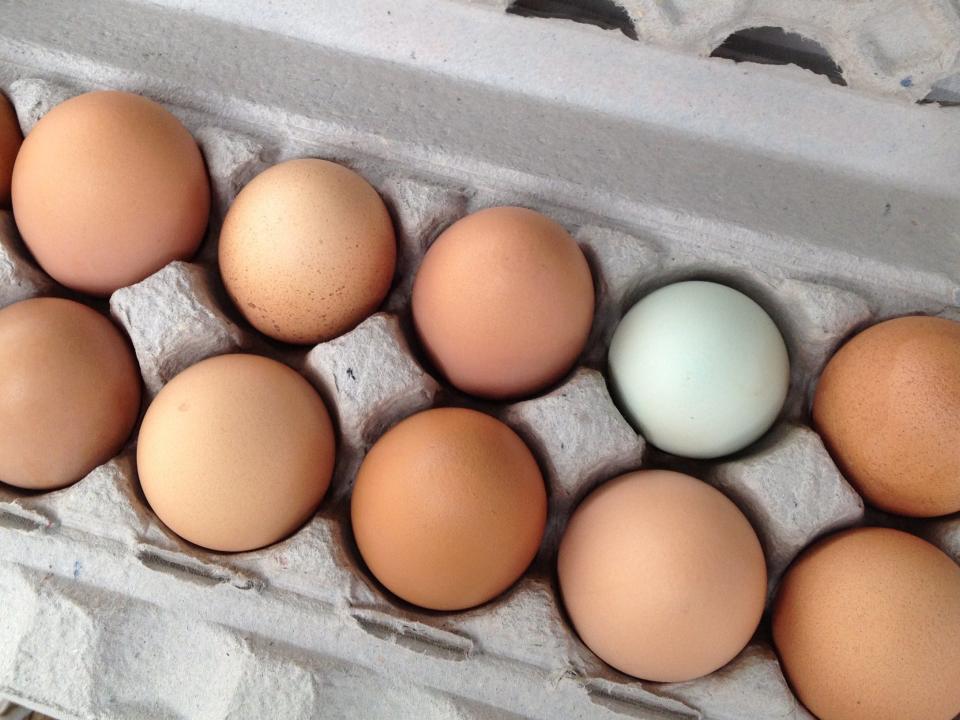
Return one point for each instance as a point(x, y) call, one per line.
point(108, 188)
point(867, 624)
point(10, 139)
point(449, 508)
point(503, 302)
point(662, 576)
point(69, 392)
point(307, 251)
point(236, 452)
point(888, 407)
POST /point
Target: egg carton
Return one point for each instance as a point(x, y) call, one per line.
point(830, 208)
point(908, 49)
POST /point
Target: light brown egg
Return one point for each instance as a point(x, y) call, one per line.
point(503, 302)
point(307, 251)
point(662, 575)
point(69, 392)
point(10, 139)
point(107, 189)
point(888, 408)
point(867, 624)
point(236, 452)
point(449, 508)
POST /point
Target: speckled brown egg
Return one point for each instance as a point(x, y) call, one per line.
point(307, 251)
point(503, 302)
point(10, 139)
point(662, 575)
point(448, 508)
point(107, 189)
point(867, 625)
point(236, 452)
point(69, 392)
point(888, 409)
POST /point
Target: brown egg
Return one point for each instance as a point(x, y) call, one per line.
point(867, 624)
point(662, 575)
point(449, 508)
point(503, 302)
point(307, 251)
point(69, 392)
point(108, 188)
point(10, 139)
point(236, 452)
point(888, 409)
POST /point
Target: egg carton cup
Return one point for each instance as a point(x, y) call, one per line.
point(663, 167)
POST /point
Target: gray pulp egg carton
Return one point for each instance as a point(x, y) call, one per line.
point(904, 48)
point(833, 209)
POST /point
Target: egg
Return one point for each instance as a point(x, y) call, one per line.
point(888, 407)
point(867, 625)
point(448, 508)
point(10, 140)
point(503, 302)
point(662, 576)
point(236, 452)
point(107, 189)
point(307, 251)
point(69, 392)
point(699, 369)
